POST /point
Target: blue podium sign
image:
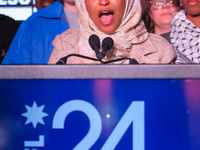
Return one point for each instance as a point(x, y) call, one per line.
point(106, 114)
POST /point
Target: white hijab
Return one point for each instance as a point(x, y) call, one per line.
point(131, 30)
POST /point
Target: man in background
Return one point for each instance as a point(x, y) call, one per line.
point(33, 41)
point(8, 29)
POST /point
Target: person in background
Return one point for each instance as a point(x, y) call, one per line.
point(43, 3)
point(120, 20)
point(33, 41)
point(185, 32)
point(160, 15)
point(8, 29)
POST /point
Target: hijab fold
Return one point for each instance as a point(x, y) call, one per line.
point(131, 31)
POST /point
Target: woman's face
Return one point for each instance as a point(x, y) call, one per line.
point(164, 15)
point(106, 14)
point(192, 7)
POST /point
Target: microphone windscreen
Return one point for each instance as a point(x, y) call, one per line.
point(108, 43)
point(94, 41)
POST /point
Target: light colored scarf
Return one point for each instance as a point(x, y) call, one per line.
point(131, 31)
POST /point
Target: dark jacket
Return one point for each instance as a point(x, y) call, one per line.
point(8, 29)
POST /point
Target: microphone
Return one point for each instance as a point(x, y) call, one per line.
point(94, 43)
point(107, 44)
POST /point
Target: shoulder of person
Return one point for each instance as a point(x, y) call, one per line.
point(64, 44)
point(163, 51)
point(66, 39)
point(31, 22)
point(70, 36)
point(6, 18)
point(51, 12)
point(70, 32)
point(155, 43)
point(158, 39)
point(8, 23)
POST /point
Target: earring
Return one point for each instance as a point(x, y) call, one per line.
point(181, 4)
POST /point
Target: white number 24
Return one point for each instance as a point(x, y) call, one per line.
point(134, 114)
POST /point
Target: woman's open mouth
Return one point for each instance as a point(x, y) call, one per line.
point(106, 17)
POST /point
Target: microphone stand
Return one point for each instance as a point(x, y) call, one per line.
point(64, 59)
point(131, 60)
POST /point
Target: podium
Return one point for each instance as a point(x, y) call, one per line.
point(93, 107)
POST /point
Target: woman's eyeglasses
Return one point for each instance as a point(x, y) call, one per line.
point(158, 4)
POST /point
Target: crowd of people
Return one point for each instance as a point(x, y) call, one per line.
point(148, 31)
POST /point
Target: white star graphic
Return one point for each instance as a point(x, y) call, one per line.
point(34, 114)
